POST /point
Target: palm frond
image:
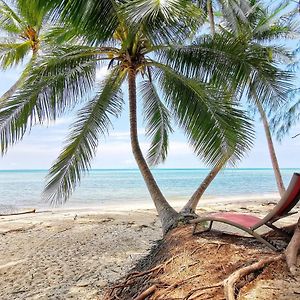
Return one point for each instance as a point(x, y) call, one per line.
point(228, 60)
point(10, 22)
point(34, 15)
point(54, 85)
point(15, 113)
point(234, 11)
point(92, 123)
point(215, 127)
point(12, 54)
point(96, 20)
point(287, 116)
point(163, 21)
point(158, 124)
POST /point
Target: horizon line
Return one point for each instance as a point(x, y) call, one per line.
point(154, 169)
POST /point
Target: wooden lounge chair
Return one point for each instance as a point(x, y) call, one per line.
point(250, 223)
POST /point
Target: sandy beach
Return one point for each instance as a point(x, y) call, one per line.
point(74, 254)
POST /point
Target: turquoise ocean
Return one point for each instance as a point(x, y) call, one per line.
point(23, 188)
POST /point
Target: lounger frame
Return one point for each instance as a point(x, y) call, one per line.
point(250, 231)
point(281, 210)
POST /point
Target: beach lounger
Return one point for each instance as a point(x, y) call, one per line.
point(250, 223)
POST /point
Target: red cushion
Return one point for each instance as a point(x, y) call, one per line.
point(242, 219)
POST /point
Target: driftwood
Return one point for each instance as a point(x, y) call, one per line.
point(19, 213)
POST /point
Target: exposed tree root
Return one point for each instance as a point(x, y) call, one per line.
point(189, 277)
point(175, 285)
point(191, 295)
point(219, 244)
point(292, 250)
point(146, 293)
point(131, 279)
point(231, 281)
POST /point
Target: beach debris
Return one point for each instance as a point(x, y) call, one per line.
point(30, 211)
point(106, 220)
point(269, 203)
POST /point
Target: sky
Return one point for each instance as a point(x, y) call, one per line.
point(41, 146)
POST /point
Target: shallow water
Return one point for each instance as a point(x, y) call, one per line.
point(119, 187)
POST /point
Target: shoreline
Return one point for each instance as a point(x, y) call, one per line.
point(116, 206)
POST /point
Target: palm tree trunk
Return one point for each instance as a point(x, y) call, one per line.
point(167, 215)
point(211, 17)
point(20, 81)
point(274, 160)
point(12, 90)
point(292, 249)
point(190, 207)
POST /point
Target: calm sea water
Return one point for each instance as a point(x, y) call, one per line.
point(102, 187)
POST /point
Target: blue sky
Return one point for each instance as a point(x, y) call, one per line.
point(40, 148)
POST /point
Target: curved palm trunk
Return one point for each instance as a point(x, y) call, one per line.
point(167, 215)
point(211, 17)
point(12, 90)
point(20, 81)
point(274, 160)
point(191, 205)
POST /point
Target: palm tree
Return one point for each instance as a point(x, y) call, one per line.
point(232, 12)
point(270, 27)
point(195, 84)
point(263, 26)
point(25, 32)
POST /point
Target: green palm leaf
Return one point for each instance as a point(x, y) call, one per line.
point(54, 85)
point(32, 13)
point(93, 122)
point(96, 20)
point(12, 54)
point(163, 21)
point(214, 126)
point(230, 61)
point(9, 20)
point(158, 125)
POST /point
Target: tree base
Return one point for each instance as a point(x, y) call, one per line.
point(183, 266)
